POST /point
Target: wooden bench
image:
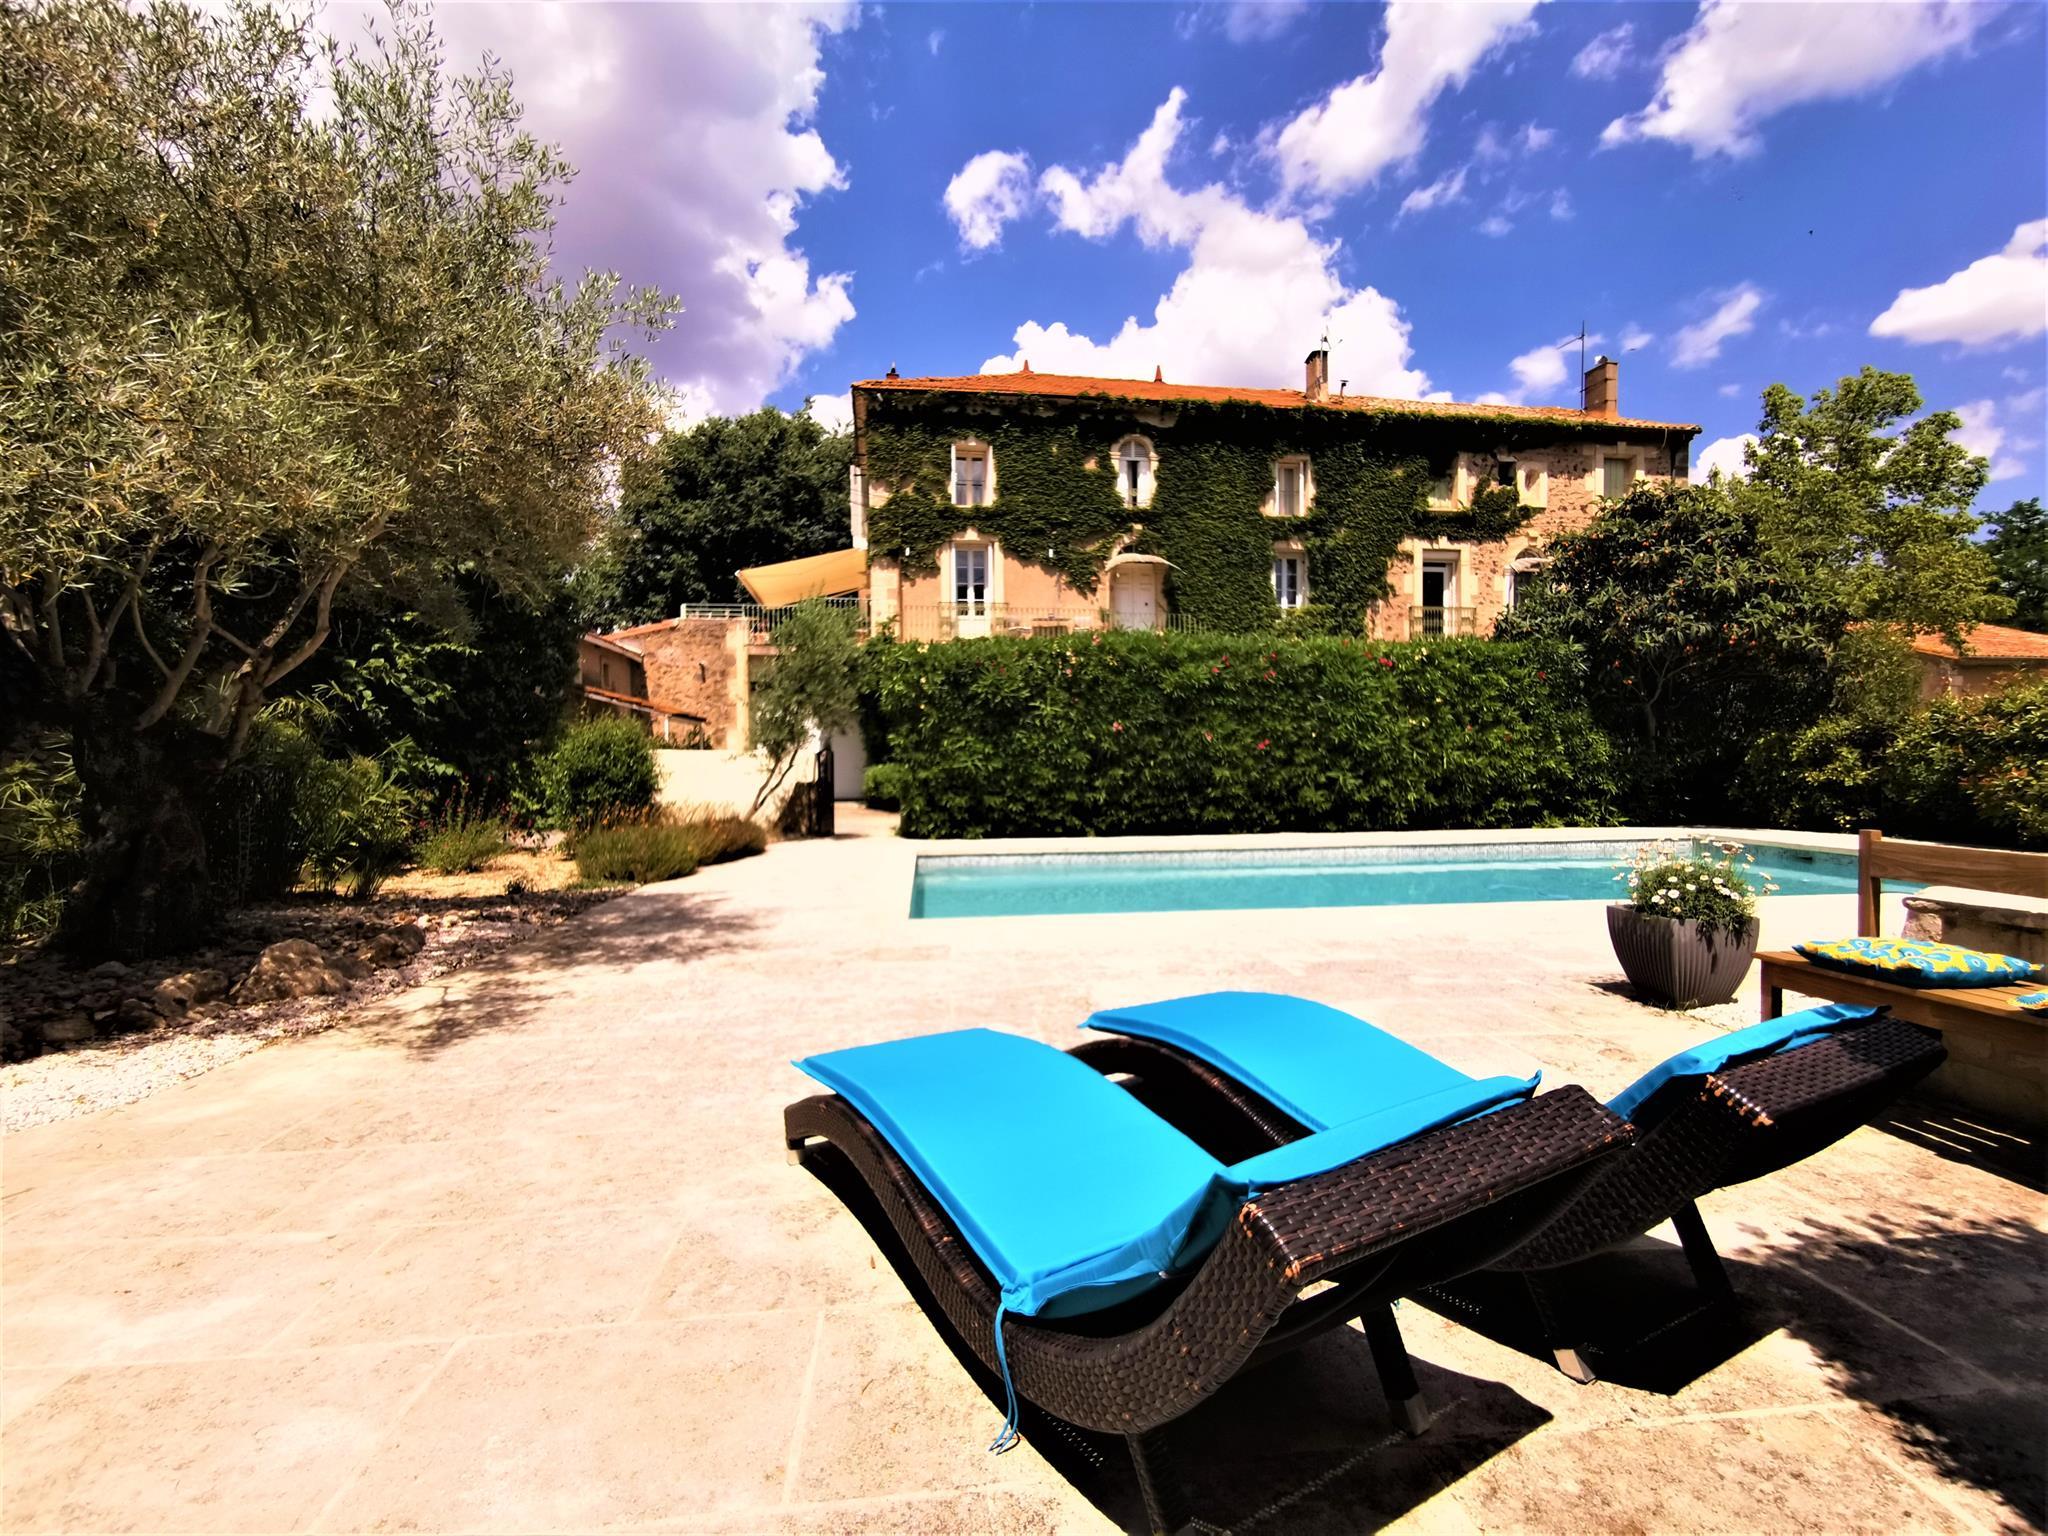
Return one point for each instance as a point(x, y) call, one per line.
point(1998, 1051)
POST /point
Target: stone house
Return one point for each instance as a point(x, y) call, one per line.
point(1027, 503)
point(1995, 658)
point(686, 680)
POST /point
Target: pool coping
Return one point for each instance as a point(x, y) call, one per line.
point(1274, 842)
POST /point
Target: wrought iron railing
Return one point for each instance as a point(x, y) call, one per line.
point(761, 619)
point(1442, 623)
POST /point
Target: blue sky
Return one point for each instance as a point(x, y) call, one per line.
point(1725, 195)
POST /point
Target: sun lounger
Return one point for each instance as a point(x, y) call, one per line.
point(1116, 1270)
point(1736, 1108)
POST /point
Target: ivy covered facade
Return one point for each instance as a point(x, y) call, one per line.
point(1030, 503)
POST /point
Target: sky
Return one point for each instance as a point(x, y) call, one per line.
point(1722, 196)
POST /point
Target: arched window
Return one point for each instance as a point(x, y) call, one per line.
point(1134, 477)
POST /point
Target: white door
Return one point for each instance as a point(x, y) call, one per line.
point(1134, 597)
point(970, 590)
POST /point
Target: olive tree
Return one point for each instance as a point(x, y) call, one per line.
point(278, 331)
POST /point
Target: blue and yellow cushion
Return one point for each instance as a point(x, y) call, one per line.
point(2033, 1002)
point(1917, 963)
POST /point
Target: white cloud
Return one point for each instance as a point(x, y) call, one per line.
point(2003, 297)
point(1699, 344)
point(1449, 188)
point(1740, 63)
point(1561, 207)
point(1729, 391)
point(1495, 225)
point(935, 40)
point(1607, 55)
point(832, 412)
point(989, 191)
point(1534, 138)
point(1539, 373)
point(1724, 454)
point(1984, 435)
point(1220, 145)
point(1257, 290)
point(1258, 21)
point(1378, 120)
point(691, 130)
point(1634, 337)
point(2028, 405)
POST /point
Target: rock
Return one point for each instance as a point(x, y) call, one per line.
point(135, 1013)
point(394, 946)
point(177, 995)
point(291, 968)
point(69, 1029)
point(108, 970)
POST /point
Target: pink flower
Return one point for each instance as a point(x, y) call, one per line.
point(1386, 661)
point(1263, 745)
point(1095, 640)
point(1116, 725)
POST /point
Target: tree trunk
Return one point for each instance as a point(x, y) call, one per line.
point(145, 889)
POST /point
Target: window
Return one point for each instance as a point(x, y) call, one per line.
point(1290, 583)
point(970, 475)
point(1616, 476)
point(1290, 488)
point(1443, 486)
point(1134, 472)
point(1438, 614)
point(1504, 473)
point(970, 579)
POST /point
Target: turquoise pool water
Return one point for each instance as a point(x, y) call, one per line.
point(1026, 885)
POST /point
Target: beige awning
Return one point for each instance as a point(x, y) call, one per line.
point(791, 581)
point(1127, 558)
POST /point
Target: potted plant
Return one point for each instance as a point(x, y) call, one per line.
point(1687, 932)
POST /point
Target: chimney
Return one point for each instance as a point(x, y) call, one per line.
point(1603, 389)
point(1318, 389)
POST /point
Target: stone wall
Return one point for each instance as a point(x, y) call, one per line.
point(699, 666)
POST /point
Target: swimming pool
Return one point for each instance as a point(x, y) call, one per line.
point(1040, 884)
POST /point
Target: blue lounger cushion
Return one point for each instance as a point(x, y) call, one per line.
point(1071, 1192)
point(1323, 1066)
point(1739, 1046)
point(1317, 1063)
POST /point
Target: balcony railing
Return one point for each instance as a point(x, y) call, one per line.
point(761, 620)
point(1442, 623)
point(970, 620)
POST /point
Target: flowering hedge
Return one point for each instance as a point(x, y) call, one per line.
point(1141, 732)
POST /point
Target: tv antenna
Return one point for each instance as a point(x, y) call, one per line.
point(1581, 340)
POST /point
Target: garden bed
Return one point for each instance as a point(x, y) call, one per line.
point(81, 1038)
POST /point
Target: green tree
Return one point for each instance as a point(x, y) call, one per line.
point(812, 689)
point(1872, 506)
point(2018, 548)
point(723, 496)
point(1698, 636)
point(278, 332)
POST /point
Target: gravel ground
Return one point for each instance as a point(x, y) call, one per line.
point(126, 1067)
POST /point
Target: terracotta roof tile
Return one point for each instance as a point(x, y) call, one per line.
point(1074, 386)
point(1989, 642)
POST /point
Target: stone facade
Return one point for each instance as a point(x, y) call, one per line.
point(673, 675)
point(1557, 457)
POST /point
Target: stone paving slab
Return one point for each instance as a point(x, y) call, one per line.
point(520, 1252)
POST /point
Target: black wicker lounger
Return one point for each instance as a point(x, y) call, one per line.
point(1439, 1205)
point(1694, 1136)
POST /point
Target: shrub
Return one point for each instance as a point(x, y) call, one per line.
point(1960, 770)
point(462, 843)
point(881, 787)
point(635, 852)
point(1708, 886)
point(41, 848)
point(639, 850)
point(601, 768)
point(1141, 732)
point(357, 821)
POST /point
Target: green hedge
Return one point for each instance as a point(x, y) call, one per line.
point(1139, 732)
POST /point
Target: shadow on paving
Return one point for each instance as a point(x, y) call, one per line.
point(1899, 1310)
point(1305, 1443)
point(521, 986)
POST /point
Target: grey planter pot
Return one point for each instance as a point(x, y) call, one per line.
point(1675, 961)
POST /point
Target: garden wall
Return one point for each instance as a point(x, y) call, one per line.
point(1138, 732)
point(724, 783)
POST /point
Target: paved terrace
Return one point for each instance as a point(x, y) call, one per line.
point(524, 1255)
